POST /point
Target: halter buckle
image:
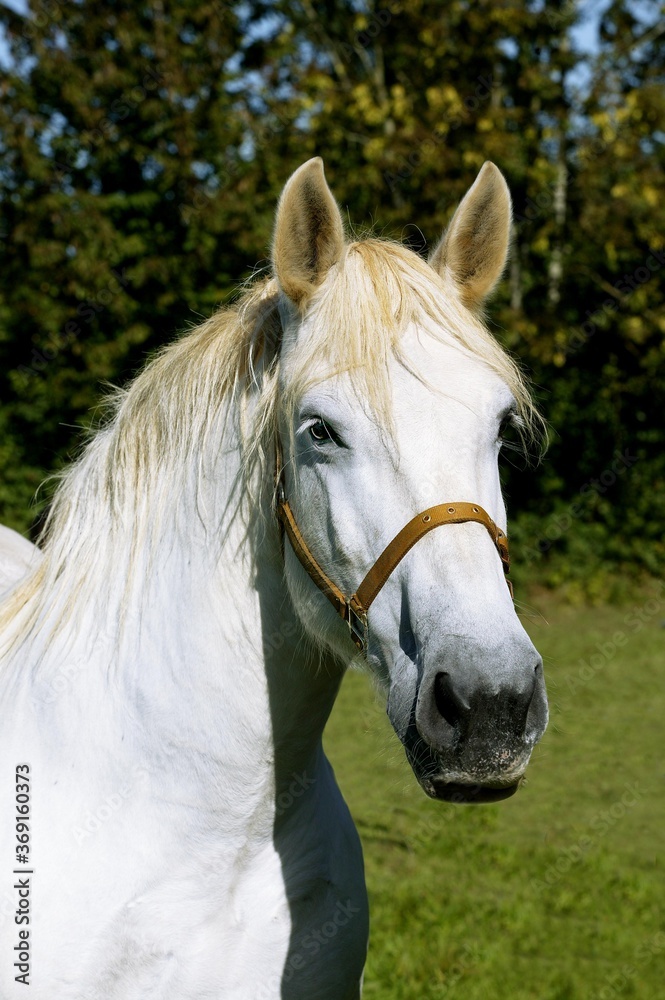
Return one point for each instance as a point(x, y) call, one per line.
point(357, 627)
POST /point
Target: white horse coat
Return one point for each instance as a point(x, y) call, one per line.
point(17, 557)
point(168, 670)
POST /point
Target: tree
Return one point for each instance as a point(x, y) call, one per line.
point(120, 135)
point(144, 147)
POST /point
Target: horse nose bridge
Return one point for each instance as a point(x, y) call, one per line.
point(456, 565)
point(471, 633)
point(492, 658)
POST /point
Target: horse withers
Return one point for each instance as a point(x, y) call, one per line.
point(252, 520)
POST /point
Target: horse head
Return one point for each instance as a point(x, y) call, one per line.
point(394, 399)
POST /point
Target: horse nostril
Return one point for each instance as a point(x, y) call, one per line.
point(446, 701)
point(536, 719)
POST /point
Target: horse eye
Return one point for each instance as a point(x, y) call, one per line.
point(509, 432)
point(504, 427)
point(319, 431)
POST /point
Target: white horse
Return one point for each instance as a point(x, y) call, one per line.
point(17, 557)
point(171, 828)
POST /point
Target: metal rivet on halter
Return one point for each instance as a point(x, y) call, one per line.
point(451, 510)
point(426, 517)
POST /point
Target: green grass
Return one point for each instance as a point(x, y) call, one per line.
point(556, 893)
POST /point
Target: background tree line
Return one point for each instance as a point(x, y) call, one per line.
point(143, 146)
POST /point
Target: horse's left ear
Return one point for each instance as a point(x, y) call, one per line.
point(309, 233)
point(474, 248)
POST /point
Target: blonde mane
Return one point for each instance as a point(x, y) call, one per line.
point(165, 431)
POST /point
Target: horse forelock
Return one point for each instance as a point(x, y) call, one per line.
point(361, 311)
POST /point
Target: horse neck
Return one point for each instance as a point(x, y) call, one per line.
point(210, 665)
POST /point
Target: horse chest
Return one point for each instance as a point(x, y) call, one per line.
point(254, 947)
point(178, 915)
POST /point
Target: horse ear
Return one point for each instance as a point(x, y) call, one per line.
point(309, 233)
point(474, 248)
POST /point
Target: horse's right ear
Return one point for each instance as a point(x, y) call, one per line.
point(309, 233)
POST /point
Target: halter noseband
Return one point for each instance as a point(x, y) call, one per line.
point(354, 609)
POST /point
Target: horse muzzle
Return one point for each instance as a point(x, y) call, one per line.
point(474, 722)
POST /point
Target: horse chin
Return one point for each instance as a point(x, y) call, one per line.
point(438, 787)
point(450, 781)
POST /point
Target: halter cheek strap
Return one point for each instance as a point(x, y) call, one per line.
point(354, 609)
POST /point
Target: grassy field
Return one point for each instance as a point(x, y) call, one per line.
point(557, 893)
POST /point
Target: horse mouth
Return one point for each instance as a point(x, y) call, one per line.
point(463, 794)
point(464, 781)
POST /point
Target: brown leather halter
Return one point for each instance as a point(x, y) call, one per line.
point(354, 609)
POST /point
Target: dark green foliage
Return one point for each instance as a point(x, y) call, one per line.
point(144, 147)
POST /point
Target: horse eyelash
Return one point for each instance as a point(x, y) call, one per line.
point(512, 419)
